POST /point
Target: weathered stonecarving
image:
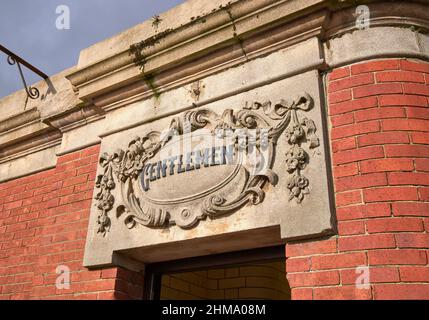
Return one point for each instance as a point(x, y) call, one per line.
point(212, 164)
point(132, 167)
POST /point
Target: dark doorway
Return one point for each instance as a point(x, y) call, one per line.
point(251, 274)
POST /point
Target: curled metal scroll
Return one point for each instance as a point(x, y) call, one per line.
point(33, 93)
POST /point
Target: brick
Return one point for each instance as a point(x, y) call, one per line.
point(53, 195)
point(69, 167)
point(347, 198)
point(424, 194)
point(360, 182)
point(340, 96)
point(16, 227)
point(402, 100)
point(397, 257)
point(297, 265)
point(407, 151)
point(24, 234)
point(412, 240)
point(341, 293)
point(12, 244)
point(311, 248)
point(342, 119)
point(420, 137)
point(109, 273)
point(64, 237)
point(94, 150)
point(400, 76)
point(302, 294)
point(349, 156)
point(377, 89)
point(350, 82)
point(104, 285)
point(414, 66)
point(7, 199)
point(364, 211)
point(20, 211)
point(379, 65)
point(72, 198)
point(379, 113)
point(232, 283)
point(86, 169)
point(346, 170)
point(339, 73)
point(81, 205)
point(23, 195)
point(353, 105)
point(394, 225)
point(355, 129)
point(32, 200)
point(422, 164)
point(66, 191)
point(366, 242)
point(76, 180)
point(113, 295)
point(344, 144)
point(376, 275)
point(418, 113)
point(216, 274)
point(91, 296)
point(351, 228)
point(84, 187)
point(408, 178)
point(12, 205)
point(324, 278)
point(401, 291)
point(414, 274)
point(18, 189)
point(405, 125)
point(68, 157)
point(390, 194)
point(338, 261)
point(414, 88)
point(382, 165)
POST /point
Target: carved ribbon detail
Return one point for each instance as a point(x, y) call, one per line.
point(125, 166)
point(297, 132)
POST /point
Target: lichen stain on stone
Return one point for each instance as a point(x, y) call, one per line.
point(149, 79)
point(156, 21)
point(166, 232)
point(136, 49)
point(218, 228)
point(227, 8)
point(197, 90)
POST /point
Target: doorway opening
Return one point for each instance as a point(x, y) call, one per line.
point(251, 274)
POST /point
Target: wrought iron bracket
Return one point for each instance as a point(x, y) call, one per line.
point(13, 59)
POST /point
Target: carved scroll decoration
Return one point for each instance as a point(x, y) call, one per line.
point(124, 167)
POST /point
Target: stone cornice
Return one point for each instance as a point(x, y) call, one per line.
point(228, 36)
point(75, 117)
point(19, 119)
point(25, 133)
point(228, 26)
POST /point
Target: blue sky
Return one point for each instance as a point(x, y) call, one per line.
point(27, 27)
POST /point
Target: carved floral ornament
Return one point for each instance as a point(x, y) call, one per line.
point(242, 185)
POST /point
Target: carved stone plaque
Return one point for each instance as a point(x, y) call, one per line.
point(249, 162)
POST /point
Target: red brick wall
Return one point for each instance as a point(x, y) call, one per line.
point(379, 117)
point(43, 224)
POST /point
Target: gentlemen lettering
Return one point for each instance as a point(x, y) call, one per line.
point(209, 157)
